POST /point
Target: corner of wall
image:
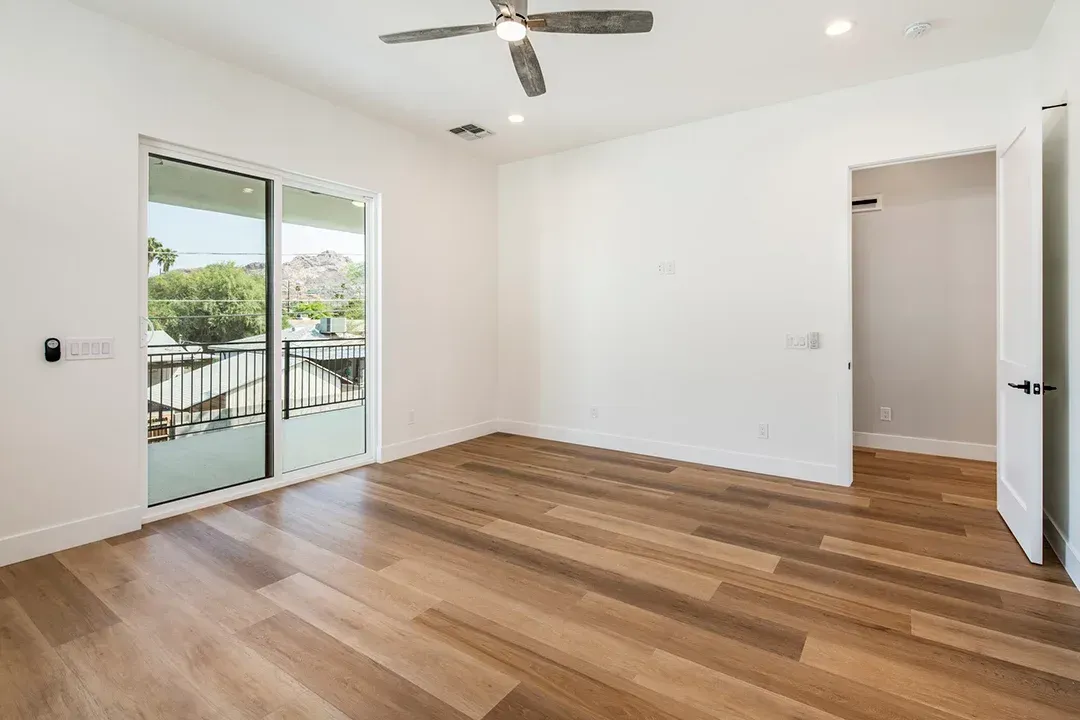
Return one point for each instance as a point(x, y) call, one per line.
point(427, 443)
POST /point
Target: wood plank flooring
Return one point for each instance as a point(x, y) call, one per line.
point(509, 578)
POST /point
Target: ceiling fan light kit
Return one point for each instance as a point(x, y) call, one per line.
point(513, 24)
point(511, 29)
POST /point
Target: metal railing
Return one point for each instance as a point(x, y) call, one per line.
point(194, 388)
point(323, 373)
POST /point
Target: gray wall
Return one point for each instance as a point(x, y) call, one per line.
point(924, 289)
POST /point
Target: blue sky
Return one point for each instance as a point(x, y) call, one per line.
point(201, 237)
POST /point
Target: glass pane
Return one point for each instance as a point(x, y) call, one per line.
point(323, 295)
point(208, 384)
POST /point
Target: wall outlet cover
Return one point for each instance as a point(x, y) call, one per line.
point(763, 431)
point(886, 414)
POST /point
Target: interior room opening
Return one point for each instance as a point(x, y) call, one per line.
point(924, 312)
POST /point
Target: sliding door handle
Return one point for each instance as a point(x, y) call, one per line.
point(1025, 386)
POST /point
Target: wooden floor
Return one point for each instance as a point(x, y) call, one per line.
point(511, 578)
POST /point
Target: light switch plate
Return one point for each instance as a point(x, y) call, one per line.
point(98, 348)
point(796, 342)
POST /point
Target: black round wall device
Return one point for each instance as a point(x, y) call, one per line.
point(52, 349)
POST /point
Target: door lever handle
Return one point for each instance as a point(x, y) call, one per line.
point(1025, 386)
point(1049, 388)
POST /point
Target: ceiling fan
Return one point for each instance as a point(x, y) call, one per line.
point(513, 24)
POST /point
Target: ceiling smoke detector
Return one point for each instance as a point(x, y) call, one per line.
point(917, 30)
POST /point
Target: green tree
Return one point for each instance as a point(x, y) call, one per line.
point(356, 280)
point(314, 309)
point(212, 304)
point(156, 252)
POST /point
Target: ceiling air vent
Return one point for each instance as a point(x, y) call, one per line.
point(870, 203)
point(471, 132)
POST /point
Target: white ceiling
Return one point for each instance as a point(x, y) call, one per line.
point(704, 57)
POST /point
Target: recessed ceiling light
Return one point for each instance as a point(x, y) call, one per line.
point(839, 27)
point(516, 118)
point(358, 203)
point(248, 191)
point(511, 30)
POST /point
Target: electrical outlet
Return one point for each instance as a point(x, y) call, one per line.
point(763, 431)
point(595, 413)
point(815, 341)
point(667, 267)
point(412, 417)
point(886, 414)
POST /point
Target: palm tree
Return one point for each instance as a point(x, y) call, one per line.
point(164, 257)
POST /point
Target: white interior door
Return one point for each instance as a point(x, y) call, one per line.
point(1020, 349)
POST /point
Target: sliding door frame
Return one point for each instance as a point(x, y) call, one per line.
point(276, 181)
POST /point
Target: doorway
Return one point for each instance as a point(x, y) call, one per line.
point(1019, 323)
point(258, 327)
point(924, 328)
point(924, 299)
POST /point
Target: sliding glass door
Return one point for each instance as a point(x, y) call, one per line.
point(208, 294)
point(324, 347)
point(257, 333)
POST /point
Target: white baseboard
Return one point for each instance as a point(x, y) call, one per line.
point(763, 464)
point(1065, 550)
point(400, 450)
point(925, 446)
point(45, 541)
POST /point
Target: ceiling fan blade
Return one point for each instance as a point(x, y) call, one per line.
point(503, 7)
point(528, 68)
point(593, 22)
point(435, 33)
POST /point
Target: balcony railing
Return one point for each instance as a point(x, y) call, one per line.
point(194, 388)
point(320, 374)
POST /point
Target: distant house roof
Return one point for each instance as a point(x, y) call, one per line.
point(159, 343)
point(159, 337)
point(309, 342)
point(189, 388)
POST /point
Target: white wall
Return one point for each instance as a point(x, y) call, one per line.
point(1058, 57)
point(924, 285)
point(77, 91)
point(754, 208)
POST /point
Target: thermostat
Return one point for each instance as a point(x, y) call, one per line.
point(52, 350)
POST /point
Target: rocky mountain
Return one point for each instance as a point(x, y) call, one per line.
point(326, 275)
